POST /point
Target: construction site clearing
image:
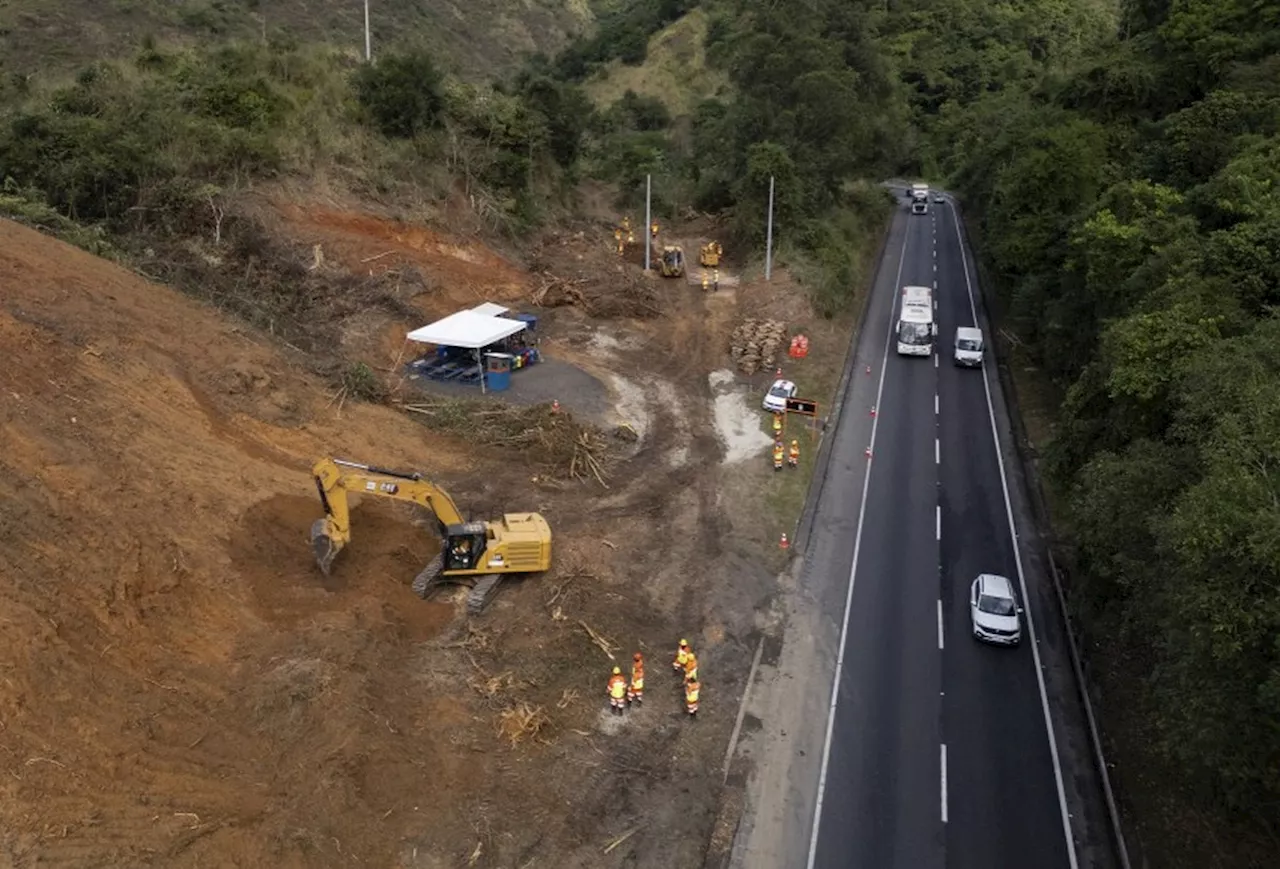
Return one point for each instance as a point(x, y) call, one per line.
point(182, 685)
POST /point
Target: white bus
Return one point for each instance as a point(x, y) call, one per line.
point(916, 327)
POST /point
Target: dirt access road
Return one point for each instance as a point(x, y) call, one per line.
point(179, 686)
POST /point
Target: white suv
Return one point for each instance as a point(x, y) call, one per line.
point(995, 611)
point(969, 347)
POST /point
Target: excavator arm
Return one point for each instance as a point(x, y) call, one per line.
point(335, 478)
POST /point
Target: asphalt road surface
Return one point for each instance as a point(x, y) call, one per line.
point(940, 754)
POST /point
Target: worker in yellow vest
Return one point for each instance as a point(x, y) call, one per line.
point(635, 691)
point(617, 690)
point(617, 237)
point(777, 426)
point(653, 230)
point(691, 666)
point(777, 455)
point(691, 696)
point(682, 654)
point(793, 454)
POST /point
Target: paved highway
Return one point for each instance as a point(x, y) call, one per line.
point(939, 753)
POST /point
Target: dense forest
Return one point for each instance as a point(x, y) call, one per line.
point(1120, 163)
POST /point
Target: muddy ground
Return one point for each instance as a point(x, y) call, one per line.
point(181, 687)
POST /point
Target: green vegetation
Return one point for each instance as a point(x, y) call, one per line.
point(478, 39)
point(1125, 176)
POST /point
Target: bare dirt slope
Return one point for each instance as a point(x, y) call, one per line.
point(180, 688)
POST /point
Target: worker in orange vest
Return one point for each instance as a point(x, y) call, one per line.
point(777, 455)
point(617, 690)
point(635, 691)
point(793, 454)
point(653, 229)
point(777, 425)
point(682, 654)
point(691, 666)
point(691, 696)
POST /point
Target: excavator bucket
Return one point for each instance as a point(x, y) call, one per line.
point(323, 545)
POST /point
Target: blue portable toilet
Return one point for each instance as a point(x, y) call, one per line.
point(497, 375)
point(530, 321)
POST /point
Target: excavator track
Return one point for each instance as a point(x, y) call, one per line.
point(429, 576)
point(482, 592)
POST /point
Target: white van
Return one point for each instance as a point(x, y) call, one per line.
point(969, 347)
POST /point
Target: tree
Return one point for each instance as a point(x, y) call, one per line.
point(401, 93)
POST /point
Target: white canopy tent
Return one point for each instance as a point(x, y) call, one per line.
point(470, 330)
point(490, 309)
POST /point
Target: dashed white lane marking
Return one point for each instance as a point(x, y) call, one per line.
point(944, 782)
point(937, 521)
point(937, 450)
point(935, 404)
point(939, 625)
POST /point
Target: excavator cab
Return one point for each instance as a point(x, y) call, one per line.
point(464, 545)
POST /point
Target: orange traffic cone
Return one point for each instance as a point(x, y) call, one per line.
point(784, 543)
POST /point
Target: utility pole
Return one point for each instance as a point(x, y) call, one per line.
point(368, 42)
point(768, 243)
point(648, 217)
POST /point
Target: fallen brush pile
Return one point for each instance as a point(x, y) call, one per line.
point(621, 296)
point(754, 344)
point(553, 439)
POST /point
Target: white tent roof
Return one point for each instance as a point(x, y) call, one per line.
point(489, 309)
point(466, 329)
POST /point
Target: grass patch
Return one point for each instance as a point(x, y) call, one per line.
point(817, 377)
point(675, 70)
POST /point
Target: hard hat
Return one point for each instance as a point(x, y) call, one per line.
point(795, 443)
point(684, 642)
point(617, 671)
point(636, 656)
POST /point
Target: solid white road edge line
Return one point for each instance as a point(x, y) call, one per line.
point(1022, 579)
point(853, 572)
point(944, 782)
point(940, 645)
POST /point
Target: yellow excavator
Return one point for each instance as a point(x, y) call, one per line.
point(672, 261)
point(709, 255)
point(479, 551)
